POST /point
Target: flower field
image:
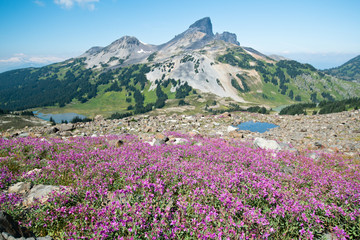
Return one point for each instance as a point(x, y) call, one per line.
point(206, 188)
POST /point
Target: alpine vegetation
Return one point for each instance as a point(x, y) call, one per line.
point(121, 187)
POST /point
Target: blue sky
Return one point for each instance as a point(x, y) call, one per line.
point(37, 32)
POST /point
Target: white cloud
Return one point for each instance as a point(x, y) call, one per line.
point(89, 4)
point(23, 58)
point(49, 59)
point(11, 60)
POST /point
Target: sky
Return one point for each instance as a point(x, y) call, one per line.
point(324, 33)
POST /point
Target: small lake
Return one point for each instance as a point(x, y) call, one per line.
point(260, 127)
point(58, 118)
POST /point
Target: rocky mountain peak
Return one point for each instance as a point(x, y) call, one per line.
point(203, 25)
point(227, 37)
point(94, 50)
point(127, 40)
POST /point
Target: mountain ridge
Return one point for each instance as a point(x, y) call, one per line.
point(349, 71)
point(194, 63)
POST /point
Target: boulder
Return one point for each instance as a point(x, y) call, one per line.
point(231, 129)
point(159, 142)
point(20, 187)
point(288, 170)
point(66, 127)
point(40, 192)
point(32, 172)
point(98, 118)
point(116, 143)
point(266, 144)
point(160, 136)
point(52, 130)
point(318, 145)
point(180, 141)
point(66, 134)
point(24, 134)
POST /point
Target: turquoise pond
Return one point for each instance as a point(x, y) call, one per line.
point(260, 127)
point(58, 118)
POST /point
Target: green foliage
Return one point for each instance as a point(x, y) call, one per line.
point(120, 115)
point(46, 86)
point(243, 82)
point(258, 109)
point(161, 97)
point(27, 113)
point(236, 85)
point(183, 91)
point(291, 94)
point(187, 58)
point(327, 96)
point(338, 106)
point(297, 109)
point(313, 97)
point(52, 121)
point(3, 111)
point(78, 119)
point(114, 87)
point(152, 56)
point(182, 102)
point(349, 71)
point(237, 57)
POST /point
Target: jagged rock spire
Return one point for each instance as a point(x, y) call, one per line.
point(203, 25)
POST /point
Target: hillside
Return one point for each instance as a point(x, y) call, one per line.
point(349, 71)
point(204, 68)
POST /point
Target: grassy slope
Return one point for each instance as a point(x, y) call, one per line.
point(261, 93)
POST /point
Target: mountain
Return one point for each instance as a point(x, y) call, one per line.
point(349, 71)
point(204, 69)
point(278, 57)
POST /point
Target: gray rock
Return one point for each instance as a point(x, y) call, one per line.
point(266, 144)
point(12, 238)
point(40, 192)
point(227, 37)
point(159, 142)
point(52, 130)
point(328, 236)
point(231, 129)
point(20, 187)
point(22, 135)
point(66, 134)
point(66, 127)
point(98, 118)
point(44, 238)
point(116, 143)
point(314, 156)
point(318, 144)
point(203, 25)
point(288, 170)
point(180, 141)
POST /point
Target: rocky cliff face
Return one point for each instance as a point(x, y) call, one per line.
point(203, 25)
point(228, 37)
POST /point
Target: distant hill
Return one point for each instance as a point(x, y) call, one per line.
point(349, 71)
point(129, 76)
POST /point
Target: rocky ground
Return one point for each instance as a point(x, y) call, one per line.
point(332, 133)
point(338, 132)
